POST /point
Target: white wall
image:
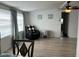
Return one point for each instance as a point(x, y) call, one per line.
point(53, 25)
point(73, 23)
point(77, 47)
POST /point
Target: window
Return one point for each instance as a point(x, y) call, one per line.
point(20, 21)
point(5, 23)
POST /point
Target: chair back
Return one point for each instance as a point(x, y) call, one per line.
point(23, 47)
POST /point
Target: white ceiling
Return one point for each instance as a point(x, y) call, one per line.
point(36, 5)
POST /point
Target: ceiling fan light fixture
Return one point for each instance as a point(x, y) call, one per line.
point(68, 7)
point(67, 10)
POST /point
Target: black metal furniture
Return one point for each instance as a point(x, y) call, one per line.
point(23, 49)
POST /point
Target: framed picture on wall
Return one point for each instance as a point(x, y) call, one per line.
point(50, 16)
point(39, 17)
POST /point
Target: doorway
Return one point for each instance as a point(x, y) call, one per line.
point(64, 25)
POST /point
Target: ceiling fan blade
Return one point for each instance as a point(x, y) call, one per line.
point(68, 1)
point(75, 7)
point(63, 5)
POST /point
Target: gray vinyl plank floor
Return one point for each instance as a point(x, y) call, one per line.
point(55, 47)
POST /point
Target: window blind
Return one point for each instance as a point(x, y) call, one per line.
point(5, 23)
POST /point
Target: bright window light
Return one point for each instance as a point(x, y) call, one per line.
point(20, 21)
point(5, 23)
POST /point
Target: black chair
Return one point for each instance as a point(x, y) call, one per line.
point(23, 49)
point(32, 33)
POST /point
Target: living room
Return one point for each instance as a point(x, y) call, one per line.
point(46, 17)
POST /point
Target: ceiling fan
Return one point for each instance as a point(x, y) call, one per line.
point(68, 8)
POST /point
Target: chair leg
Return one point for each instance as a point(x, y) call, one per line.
point(32, 49)
point(13, 48)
